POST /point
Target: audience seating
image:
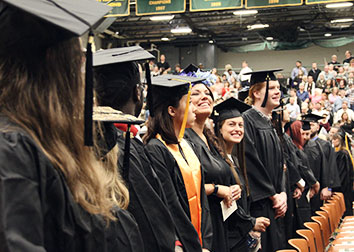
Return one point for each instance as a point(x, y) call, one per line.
point(299, 244)
point(323, 222)
point(309, 237)
point(315, 228)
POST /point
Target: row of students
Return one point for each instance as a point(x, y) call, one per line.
point(58, 195)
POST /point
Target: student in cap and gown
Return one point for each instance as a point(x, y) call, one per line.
point(344, 161)
point(118, 86)
point(324, 173)
point(220, 184)
point(264, 158)
point(174, 160)
point(293, 130)
point(54, 192)
point(243, 230)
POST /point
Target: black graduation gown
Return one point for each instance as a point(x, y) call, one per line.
point(319, 165)
point(345, 170)
point(171, 178)
point(330, 154)
point(38, 212)
point(147, 199)
point(216, 171)
point(293, 176)
point(264, 160)
point(240, 223)
point(303, 205)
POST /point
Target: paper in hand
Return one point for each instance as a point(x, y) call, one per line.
point(227, 211)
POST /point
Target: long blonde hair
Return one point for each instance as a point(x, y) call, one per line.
point(42, 92)
point(254, 88)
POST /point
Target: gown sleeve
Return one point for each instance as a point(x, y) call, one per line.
point(260, 188)
point(305, 170)
point(21, 214)
point(164, 165)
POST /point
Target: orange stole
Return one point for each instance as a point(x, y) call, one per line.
point(192, 178)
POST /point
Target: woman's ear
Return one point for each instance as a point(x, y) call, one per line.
point(257, 94)
point(171, 111)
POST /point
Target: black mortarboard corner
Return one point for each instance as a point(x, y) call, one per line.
point(166, 86)
point(311, 117)
point(120, 55)
point(38, 24)
point(262, 76)
point(243, 93)
point(109, 116)
point(191, 68)
point(227, 109)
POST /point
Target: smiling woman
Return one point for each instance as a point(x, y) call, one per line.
point(220, 183)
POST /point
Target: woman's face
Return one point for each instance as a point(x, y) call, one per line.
point(273, 94)
point(345, 116)
point(201, 99)
point(179, 113)
point(232, 130)
point(336, 142)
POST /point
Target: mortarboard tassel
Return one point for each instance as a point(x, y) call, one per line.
point(88, 93)
point(126, 160)
point(184, 122)
point(266, 93)
point(149, 98)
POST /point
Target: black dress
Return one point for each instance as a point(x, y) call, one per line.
point(147, 200)
point(169, 173)
point(264, 160)
point(38, 212)
point(216, 171)
point(345, 170)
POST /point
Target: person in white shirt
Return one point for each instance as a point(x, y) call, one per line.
point(293, 108)
point(345, 108)
point(245, 79)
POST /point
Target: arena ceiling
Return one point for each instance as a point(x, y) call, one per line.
point(286, 24)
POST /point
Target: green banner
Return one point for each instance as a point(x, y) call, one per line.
point(208, 5)
point(152, 7)
point(271, 3)
point(120, 7)
point(325, 1)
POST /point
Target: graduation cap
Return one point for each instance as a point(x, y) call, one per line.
point(243, 93)
point(120, 55)
point(27, 25)
point(227, 109)
point(191, 68)
point(311, 117)
point(306, 125)
point(116, 70)
point(262, 76)
point(109, 116)
point(163, 87)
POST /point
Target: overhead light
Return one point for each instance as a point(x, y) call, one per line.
point(269, 38)
point(117, 32)
point(328, 35)
point(342, 20)
point(211, 41)
point(245, 12)
point(181, 30)
point(257, 26)
point(165, 39)
point(339, 5)
point(162, 18)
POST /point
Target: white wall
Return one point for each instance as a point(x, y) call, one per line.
point(282, 59)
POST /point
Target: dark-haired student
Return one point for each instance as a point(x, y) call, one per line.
point(264, 158)
point(175, 162)
point(220, 184)
point(118, 86)
point(55, 194)
point(243, 230)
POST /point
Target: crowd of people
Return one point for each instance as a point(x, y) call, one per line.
point(220, 164)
